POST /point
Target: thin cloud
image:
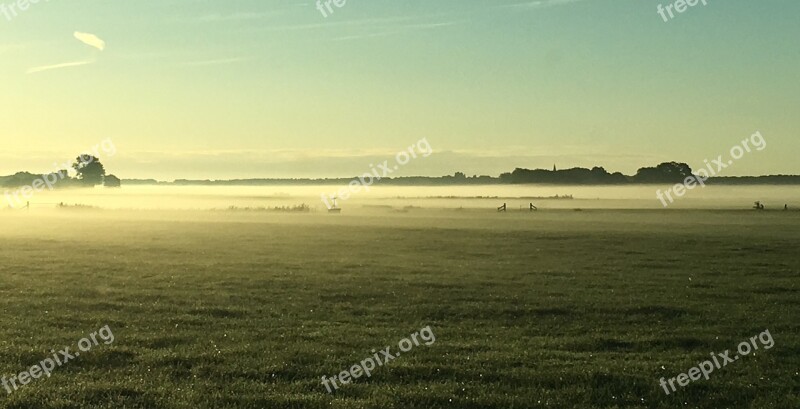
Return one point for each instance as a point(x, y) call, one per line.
point(57, 66)
point(86, 38)
point(90, 40)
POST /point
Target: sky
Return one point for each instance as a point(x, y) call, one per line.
point(216, 89)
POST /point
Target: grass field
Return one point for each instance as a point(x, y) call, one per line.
point(557, 309)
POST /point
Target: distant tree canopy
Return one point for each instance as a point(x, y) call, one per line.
point(60, 177)
point(667, 172)
point(580, 176)
point(89, 170)
point(19, 179)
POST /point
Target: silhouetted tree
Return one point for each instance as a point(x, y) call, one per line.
point(667, 172)
point(89, 169)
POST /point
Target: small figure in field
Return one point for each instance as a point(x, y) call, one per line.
point(785, 207)
point(502, 208)
point(334, 208)
point(533, 208)
point(758, 206)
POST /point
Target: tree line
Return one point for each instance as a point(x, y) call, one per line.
point(93, 173)
point(87, 171)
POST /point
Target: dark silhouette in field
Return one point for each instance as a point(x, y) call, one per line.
point(533, 208)
point(89, 170)
point(334, 208)
point(111, 181)
point(502, 208)
point(758, 206)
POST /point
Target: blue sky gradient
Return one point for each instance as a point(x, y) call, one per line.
point(245, 88)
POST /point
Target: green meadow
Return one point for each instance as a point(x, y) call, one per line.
point(250, 309)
